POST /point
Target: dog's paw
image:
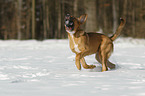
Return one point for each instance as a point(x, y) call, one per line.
point(91, 66)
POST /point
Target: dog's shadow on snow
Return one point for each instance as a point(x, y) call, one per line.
point(98, 68)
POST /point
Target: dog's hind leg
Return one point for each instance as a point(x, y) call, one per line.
point(102, 59)
point(98, 58)
point(109, 64)
point(83, 62)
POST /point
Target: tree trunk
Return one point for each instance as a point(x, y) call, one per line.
point(33, 19)
point(125, 8)
point(115, 23)
point(28, 18)
point(47, 19)
point(75, 7)
point(91, 23)
point(62, 19)
point(59, 19)
point(133, 18)
point(19, 7)
point(56, 20)
point(44, 20)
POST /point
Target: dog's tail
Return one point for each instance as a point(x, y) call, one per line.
point(119, 29)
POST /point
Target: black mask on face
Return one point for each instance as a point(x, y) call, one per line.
point(69, 21)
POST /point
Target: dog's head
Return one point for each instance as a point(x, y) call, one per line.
point(72, 24)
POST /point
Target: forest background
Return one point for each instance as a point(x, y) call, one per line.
point(44, 19)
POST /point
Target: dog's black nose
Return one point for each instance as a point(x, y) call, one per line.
point(67, 17)
point(67, 14)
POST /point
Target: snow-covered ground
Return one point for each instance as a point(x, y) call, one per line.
point(47, 68)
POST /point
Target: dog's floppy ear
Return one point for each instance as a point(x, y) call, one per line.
point(82, 19)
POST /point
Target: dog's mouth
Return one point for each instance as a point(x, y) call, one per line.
point(69, 24)
point(69, 28)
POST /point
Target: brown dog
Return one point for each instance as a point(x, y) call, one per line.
point(83, 44)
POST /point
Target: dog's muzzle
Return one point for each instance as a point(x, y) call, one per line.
point(69, 24)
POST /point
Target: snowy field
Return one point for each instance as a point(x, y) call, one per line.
point(47, 68)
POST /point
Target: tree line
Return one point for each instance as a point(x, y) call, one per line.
point(44, 19)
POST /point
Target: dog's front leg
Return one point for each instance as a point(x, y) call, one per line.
point(77, 61)
point(84, 64)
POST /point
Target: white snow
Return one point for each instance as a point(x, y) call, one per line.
point(47, 68)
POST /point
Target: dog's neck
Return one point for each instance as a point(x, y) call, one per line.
point(72, 35)
point(76, 33)
point(71, 32)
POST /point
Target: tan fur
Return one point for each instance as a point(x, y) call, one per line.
point(83, 44)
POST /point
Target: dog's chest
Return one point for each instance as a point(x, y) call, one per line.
point(75, 45)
